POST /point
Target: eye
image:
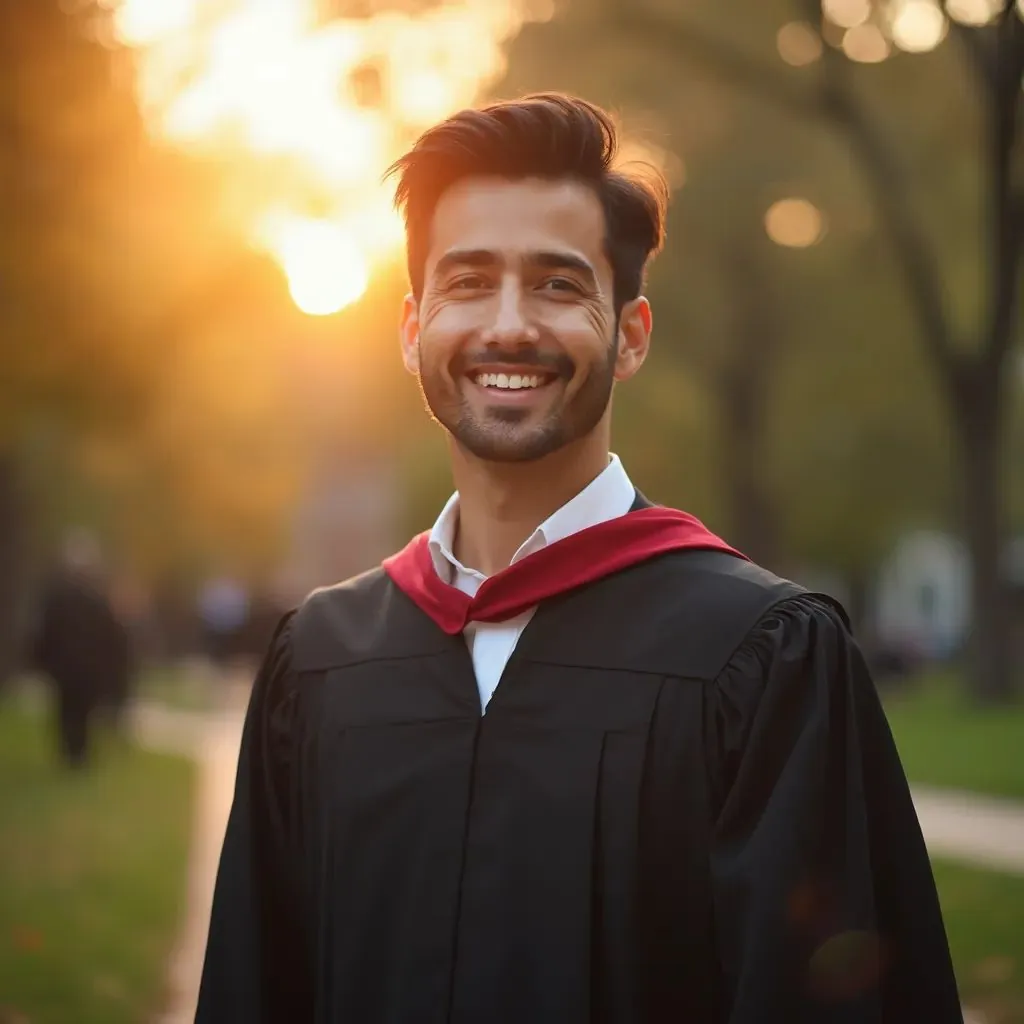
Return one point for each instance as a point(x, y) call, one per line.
point(467, 282)
point(560, 284)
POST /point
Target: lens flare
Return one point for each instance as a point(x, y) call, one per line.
point(304, 113)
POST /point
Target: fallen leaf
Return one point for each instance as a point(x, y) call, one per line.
point(27, 940)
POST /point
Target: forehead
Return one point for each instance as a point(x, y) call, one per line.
point(510, 217)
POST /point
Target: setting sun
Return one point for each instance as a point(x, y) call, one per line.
point(304, 114)
point(325, 269)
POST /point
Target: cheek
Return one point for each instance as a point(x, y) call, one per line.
point(584, 333)
point(453, 317)
point(601, 321)
point(441, 340)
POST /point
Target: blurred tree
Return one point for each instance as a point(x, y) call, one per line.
point(804, 376)
point(969, 359)
point(1015, 454)
point(144, 390)
point(64, 125)
point(965, 311)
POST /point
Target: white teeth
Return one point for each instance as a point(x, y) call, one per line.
point(506, 382)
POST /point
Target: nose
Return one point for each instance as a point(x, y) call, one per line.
point(511, 324)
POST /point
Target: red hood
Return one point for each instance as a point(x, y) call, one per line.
point(578, 559)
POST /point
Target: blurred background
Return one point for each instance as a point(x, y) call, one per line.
point(203, 415)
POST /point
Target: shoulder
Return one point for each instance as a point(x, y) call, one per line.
point(361, 619)
point(802, 627)
point(763, 615)
point(796, 654)
point(720, 598)
point(740, 590)
point(351, 600)
point(309, 637)
point(683, 614)
point(731, 584)
point(797, 662)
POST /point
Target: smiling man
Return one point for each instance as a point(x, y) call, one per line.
point(568, 757)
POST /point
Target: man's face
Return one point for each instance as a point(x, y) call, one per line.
point(514, 339)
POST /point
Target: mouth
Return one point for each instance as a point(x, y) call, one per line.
point(513, 385)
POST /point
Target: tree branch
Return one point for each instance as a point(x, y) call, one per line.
point(835, 101)
point(674, 37)
point(892, 195)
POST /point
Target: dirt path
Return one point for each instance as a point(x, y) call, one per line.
point(213, 740)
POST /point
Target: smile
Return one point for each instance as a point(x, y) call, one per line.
point(509, 381)
point(521, 385)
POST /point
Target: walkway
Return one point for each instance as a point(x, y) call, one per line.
point(959, 826)
point(213, 740)
point(977, 829)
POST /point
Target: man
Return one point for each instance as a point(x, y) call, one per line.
point(568, 758)
point(82, 647)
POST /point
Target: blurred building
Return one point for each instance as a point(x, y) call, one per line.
point(347, 524)
point(923, 599)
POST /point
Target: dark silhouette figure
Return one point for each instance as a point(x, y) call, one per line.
point(84, 650)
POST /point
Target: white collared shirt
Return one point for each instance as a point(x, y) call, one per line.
point(608, 496)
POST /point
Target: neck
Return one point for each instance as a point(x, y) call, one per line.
point(502, 503)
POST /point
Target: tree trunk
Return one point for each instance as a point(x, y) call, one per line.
point(978, 420)
point(744, 387)
point(751, 514)
point(979, 392)
point(858, 606)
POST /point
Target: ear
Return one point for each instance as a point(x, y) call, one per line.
point(634, 341)
point(409, 334)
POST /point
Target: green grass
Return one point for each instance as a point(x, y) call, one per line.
point(984, 914)
point(176, 687)
point(946, 741)
point(92, 877)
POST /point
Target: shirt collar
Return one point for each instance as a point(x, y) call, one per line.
point(609, 495)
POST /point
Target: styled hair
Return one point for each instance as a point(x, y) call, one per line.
point(544, 135)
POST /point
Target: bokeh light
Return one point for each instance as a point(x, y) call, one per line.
point(847, 13)
point(918, 26)
point(794, 223)
point(798, 44)
point(866, 44)
point(975, 12)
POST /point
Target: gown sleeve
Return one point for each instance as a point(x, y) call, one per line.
point(256, 967)
point(825, 906)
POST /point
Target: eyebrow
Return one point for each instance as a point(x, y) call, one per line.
point(549, 259)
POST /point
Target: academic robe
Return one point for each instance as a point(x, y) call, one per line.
point(682, 805)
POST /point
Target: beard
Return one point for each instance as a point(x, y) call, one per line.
point(504, 434)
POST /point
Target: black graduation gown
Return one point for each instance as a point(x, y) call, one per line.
point(683, 804)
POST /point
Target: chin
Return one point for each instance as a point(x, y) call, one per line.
point(490, 446)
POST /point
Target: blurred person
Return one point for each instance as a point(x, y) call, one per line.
point(568, 756)
point(223, 607)
point(82, 647)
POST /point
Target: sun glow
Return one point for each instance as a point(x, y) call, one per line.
point(304, 113)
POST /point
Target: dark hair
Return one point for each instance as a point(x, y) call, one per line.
point(545, 135)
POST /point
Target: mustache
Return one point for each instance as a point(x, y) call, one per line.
point(550, 362)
